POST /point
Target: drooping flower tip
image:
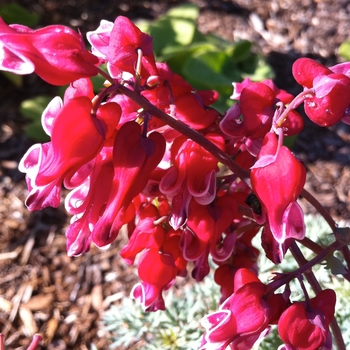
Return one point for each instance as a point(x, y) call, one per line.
point(56, 53)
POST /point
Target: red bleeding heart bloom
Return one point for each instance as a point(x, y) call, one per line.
point(134, 158)
point(75, 141)
point(306, 327)
point(157, 271)
point(247, 121)
point(244, 255)
point(242, 319)
point(176, 96)
point(147, 234)
point(330, 101)
point(277, 182)
point(204, 233)
point(192, 175)
point(118, 44)
point(56, 53)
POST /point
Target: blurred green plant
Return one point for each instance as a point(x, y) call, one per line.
point(33, 109)
point(14, 13)
point(205, 61)
point(344, 50)
point(178, 327)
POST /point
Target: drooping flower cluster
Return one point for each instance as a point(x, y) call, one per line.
point(247, 315)
point(125, 166)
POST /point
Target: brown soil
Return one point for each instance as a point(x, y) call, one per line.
point(41, 289)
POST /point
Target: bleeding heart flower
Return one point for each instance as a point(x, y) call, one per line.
point(241, 319)
point(330, 101)
point(157, 271)
point(278, 181)
point(305, 326)
point(56, 53)
point(134, 158)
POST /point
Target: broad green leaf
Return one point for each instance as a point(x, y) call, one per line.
point(13, 13)
point(163, 35)
point(186, 11)
point(217, 41)
point(184, 30)
point(97, 82)
point(239, 51)
point(176, 28)
point(257, 69)
point(289, 141)
point(344, 50)
point(176, 56)
point(204, 70)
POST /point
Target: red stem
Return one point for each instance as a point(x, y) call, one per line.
point(305, 267)
point(194, 135)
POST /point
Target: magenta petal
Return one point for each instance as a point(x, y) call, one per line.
point(99, 38)
point(293, 222)
point(149, 296)
point(223, 252)
point(50, 113)
point(323, 85)
point(75, 202)
point(44, 196)
point(78, 237)
point(232, 124)
point(208, 193)
point(341, 68)
point(171, 182)
point(15, 62)
point(220, 328)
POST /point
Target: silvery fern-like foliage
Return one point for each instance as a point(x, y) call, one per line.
point(175, 328)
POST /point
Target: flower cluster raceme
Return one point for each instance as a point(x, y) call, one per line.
point(126, 165)
point(247, 315)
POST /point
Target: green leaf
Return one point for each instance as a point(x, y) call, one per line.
point(97, 82)
point(257, 71)
point(36, 132)
point(239, 51)
point(204, 71)
point(13, 13)
point(344, 50)
point(335, 266)
point(34, 107)
point(186, 11)
point(176, 28)
point(176, 56)
point(342, 234)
